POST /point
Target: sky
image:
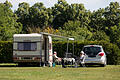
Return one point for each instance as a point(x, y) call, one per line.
point(89, 4)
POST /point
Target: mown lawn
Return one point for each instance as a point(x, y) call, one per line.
point(110, 72)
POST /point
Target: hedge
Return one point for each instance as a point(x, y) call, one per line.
point(6, 52)
point(113, 58)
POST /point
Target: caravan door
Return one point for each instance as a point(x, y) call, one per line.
point(48, 53)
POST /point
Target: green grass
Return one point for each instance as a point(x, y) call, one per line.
point(7, 64)
point(110, 72)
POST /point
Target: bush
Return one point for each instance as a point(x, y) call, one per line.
point(6, 52)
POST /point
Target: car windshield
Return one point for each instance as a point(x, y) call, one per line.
point(92, 50)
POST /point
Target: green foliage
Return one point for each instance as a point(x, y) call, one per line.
point(71, 25)
point(74, 29)
point(59, 13)
point(100, 35)
point(38, 15)
point(114, 33)
point(23, 14)
point(6, 52)
point(8, 24)
point(112, 13)
point(98, 20)
point(73, 20)
point(34, 16)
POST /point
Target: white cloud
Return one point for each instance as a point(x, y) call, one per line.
point(89, 4)
point(118, 1)
point(1, 1)
point(93, 4)
point(47, 3)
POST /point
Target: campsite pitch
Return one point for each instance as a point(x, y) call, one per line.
point(110, 72)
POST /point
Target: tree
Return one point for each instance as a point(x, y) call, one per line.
point(38, 15)
point(112, 20)
point(59, 13)
point(114, 33)
point(100, 35)
point(73, 29)
point(50, 15)
point(112, 14)
point(8, 24)
point(98, 20)
point(63, 12)
point(23, 15)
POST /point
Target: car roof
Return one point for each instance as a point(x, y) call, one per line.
point(92, 46)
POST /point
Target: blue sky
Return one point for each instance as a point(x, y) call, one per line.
point(89, 4)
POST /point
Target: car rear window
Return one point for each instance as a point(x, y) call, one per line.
point(92, 50)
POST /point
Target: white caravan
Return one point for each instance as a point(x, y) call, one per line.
point(32, 48)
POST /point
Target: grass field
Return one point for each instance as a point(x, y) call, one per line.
point(110, 72)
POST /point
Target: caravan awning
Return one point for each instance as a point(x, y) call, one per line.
point(56, 36)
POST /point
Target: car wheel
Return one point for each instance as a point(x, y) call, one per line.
point(105, 63)
point(102, 65)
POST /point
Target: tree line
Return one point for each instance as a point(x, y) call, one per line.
point(72, 20)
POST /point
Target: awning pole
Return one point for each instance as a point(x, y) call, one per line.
point(67, 48)
point(73, 47)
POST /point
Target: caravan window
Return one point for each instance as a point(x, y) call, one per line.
point(27, 46)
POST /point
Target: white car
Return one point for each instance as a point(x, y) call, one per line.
point(94, 54)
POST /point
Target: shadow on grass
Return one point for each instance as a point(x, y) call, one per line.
point(86, 66)
point(25, 65)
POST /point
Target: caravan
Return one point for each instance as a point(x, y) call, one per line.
point(32, 48)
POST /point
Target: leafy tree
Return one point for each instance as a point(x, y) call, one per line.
point(78, 12)
point(8, 24)
point(71, 25)
point(71, 20)
point(73, 29)
point(100, 35)
point(50, 15)
point(75, 11)
point(112, 14)
point(23, 14)
point(38, 15)
point(98, 20)
point(35, 16)
point(63, 12)
point(114, 33)
point(59, 13)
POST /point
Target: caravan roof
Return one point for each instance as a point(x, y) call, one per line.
point(28, 35)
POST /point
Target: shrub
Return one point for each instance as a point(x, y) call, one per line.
point(6, 52)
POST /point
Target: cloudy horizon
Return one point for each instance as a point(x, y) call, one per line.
point(89, 4)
